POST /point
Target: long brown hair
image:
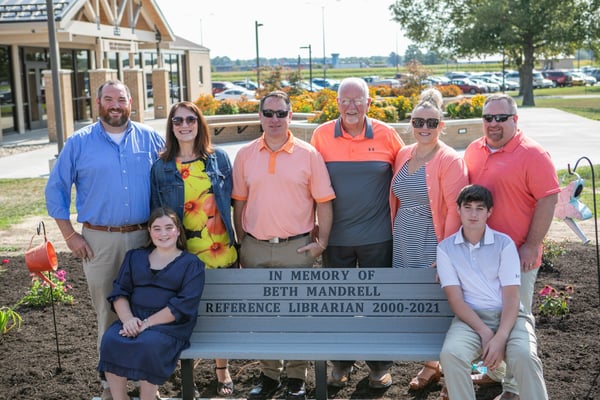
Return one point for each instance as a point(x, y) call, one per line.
point(202, 145)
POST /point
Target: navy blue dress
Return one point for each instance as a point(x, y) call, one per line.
point(152, 356)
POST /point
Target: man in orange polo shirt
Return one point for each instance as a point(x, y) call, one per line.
point(523, 182)
point(359, 153)
point(277, 179)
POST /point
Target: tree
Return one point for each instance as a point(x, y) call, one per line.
point(524, 30)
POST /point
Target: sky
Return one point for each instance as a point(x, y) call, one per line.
point(360, 28)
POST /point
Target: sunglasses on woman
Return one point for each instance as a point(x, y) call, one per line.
point(190, 120)
point(432, 123)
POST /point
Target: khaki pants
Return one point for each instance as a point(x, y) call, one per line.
point(109, 251)
point(259, 254)
point(463, 345)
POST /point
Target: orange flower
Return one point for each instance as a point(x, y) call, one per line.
point(215, 225)
point(218, 254)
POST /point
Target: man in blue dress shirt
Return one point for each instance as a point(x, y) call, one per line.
point(109, 163)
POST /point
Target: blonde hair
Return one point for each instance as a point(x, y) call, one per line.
point(431, 98)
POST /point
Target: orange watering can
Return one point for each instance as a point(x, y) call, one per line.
point(41, 258)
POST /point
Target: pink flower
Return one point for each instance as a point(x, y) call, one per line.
point(569, 289)
point(546, 290)
point(5, 261)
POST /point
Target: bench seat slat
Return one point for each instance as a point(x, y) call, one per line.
point(417, 349)
point(316, 325)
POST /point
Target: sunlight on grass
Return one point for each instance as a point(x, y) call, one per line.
point(588, 107)
point(20, 198)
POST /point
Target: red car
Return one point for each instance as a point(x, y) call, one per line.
point(468, 86)
point(218, 87)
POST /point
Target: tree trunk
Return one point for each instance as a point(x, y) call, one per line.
point(526, 74)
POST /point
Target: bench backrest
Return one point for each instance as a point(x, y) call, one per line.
point(321, 313)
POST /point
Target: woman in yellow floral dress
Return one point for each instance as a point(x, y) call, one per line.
point(194, 178)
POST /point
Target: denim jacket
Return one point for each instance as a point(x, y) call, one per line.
point(167, 186)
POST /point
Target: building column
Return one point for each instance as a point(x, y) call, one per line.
point(66, 99)
point(97, 78)
point(133, 78)
point(160, 91)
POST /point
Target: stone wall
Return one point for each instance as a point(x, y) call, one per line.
point(457, 133)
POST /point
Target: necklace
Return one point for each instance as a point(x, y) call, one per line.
point(426, 156)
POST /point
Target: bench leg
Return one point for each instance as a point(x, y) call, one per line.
point(321, 380)
point(187, 379)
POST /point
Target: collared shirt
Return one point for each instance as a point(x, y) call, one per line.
point(518, 175)
point(280, 187)
point(361, 169)
point(482, 269)
point(112, 181)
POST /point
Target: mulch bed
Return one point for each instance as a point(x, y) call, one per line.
point(569, 346)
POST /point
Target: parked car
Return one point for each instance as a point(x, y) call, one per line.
point(218, 87)
point(468, 86)
point(580, 76)
point(236, 94)
point(389, 82)
point(492, 87)
point(538, 79)
point(559, 77)
point(326, 83)
point(246, 84)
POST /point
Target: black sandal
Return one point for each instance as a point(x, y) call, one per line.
point(224, 389)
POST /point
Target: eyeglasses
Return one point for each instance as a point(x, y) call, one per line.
point(497, 117)
point(277, 113)
point(190, 120)
point(357, 102)
point(432, 123)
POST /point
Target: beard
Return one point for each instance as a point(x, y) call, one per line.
point(114, 121)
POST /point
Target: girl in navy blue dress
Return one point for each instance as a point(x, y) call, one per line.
point(156, 297)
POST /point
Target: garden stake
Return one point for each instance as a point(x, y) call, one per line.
point(595, 214)
point(59, 369)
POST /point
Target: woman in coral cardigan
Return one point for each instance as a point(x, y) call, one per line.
point(427, 179)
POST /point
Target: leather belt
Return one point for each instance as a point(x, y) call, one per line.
point(277, 240)
point(120, 229)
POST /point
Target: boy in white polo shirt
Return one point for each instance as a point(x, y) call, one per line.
point(480, 272)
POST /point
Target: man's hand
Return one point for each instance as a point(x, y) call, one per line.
point(79, 247)
point(528, 255)
point(314, 248)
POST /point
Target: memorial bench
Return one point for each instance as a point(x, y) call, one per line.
point(318, 314)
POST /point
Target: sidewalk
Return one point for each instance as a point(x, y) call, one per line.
point(567, 137)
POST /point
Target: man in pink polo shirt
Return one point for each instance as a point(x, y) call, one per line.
point(523, 182)
point(277, 180)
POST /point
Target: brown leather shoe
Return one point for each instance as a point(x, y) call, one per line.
point(418, 382)
point(507, 396)
point(483, 380)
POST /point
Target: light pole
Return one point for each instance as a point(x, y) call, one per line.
point(309, 63)
point(256, 25)
point(324, 56)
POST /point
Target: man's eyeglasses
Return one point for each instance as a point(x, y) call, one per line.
point(497, 117)
point(190, 120)
point(357, 102)
point(277, 113)
point(432, 123)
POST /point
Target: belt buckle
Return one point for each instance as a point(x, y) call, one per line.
point(274, 240)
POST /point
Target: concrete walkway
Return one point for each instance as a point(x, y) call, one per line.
point(567, 137)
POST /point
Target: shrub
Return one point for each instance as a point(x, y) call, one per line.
point(228, 107)
point(449, 90)
point(555, 303)
point(207, 104)
point(40, 293)
point(466, 108)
